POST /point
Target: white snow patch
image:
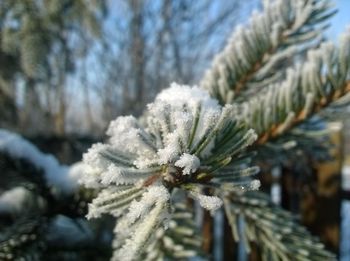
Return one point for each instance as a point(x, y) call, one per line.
point(171, 150)
point(178, 95)
point(180, 103)
point(55, 174)
point(255, 184)
point(211, 203)
point(13, 200)
point(188, 162)
point(76, 172)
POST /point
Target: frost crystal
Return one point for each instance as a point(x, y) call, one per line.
point(255, 184)
point(188, 162)
point(154, 195)
point(211, 203)
point(180, 95)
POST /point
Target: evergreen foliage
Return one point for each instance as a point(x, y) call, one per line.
point(30, 30)
point(187, 142)
point(195, 145)
point(309, 87)
point(255, 54)
point(273, 229)
point(268, 94)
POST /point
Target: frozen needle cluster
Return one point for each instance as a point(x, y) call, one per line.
point(188, 142)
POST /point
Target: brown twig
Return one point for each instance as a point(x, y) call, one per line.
point(274, 132)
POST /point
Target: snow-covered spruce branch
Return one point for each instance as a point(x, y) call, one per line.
point(321, 80)
point(254, 53)
point(63, 178)
point(273, 229)
point(186, 143)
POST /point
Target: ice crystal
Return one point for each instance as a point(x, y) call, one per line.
point(188, 162)
point(210, 203)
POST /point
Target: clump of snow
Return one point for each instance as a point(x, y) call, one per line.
point(121, 125)
point(172, 149)
point(94, 165)
point(255, 184)
point(54, 173)
point(174, 111)
point(189, 163)
point(94, 158)
point(124, 132)
point(13, 200)
point(76, 172)
point(211, 203)
point(179, 95)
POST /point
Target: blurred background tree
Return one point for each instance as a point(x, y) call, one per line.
point(41, 45)
point(112, 62)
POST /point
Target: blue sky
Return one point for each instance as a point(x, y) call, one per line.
point(341, 20)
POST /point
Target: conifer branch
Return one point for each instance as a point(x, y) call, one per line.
point(23, 240)
point(273, 229)
point(277, 130)
point(253, 53)
point(317, 83)
point(188, 143)
point(181, 240)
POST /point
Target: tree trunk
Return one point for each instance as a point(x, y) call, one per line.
point(137, 53)
point(60, 118)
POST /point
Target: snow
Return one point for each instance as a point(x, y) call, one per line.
point(93, 156)
point(211, 203)
point(165, 137)
point(255, 184)
point(154, 195)
point(189, 163)
point(125, 133)
point(179, 95)
point(60, 176)
point(174, 111)
point(13, 200)
point(172, 149)
point(112, 175)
